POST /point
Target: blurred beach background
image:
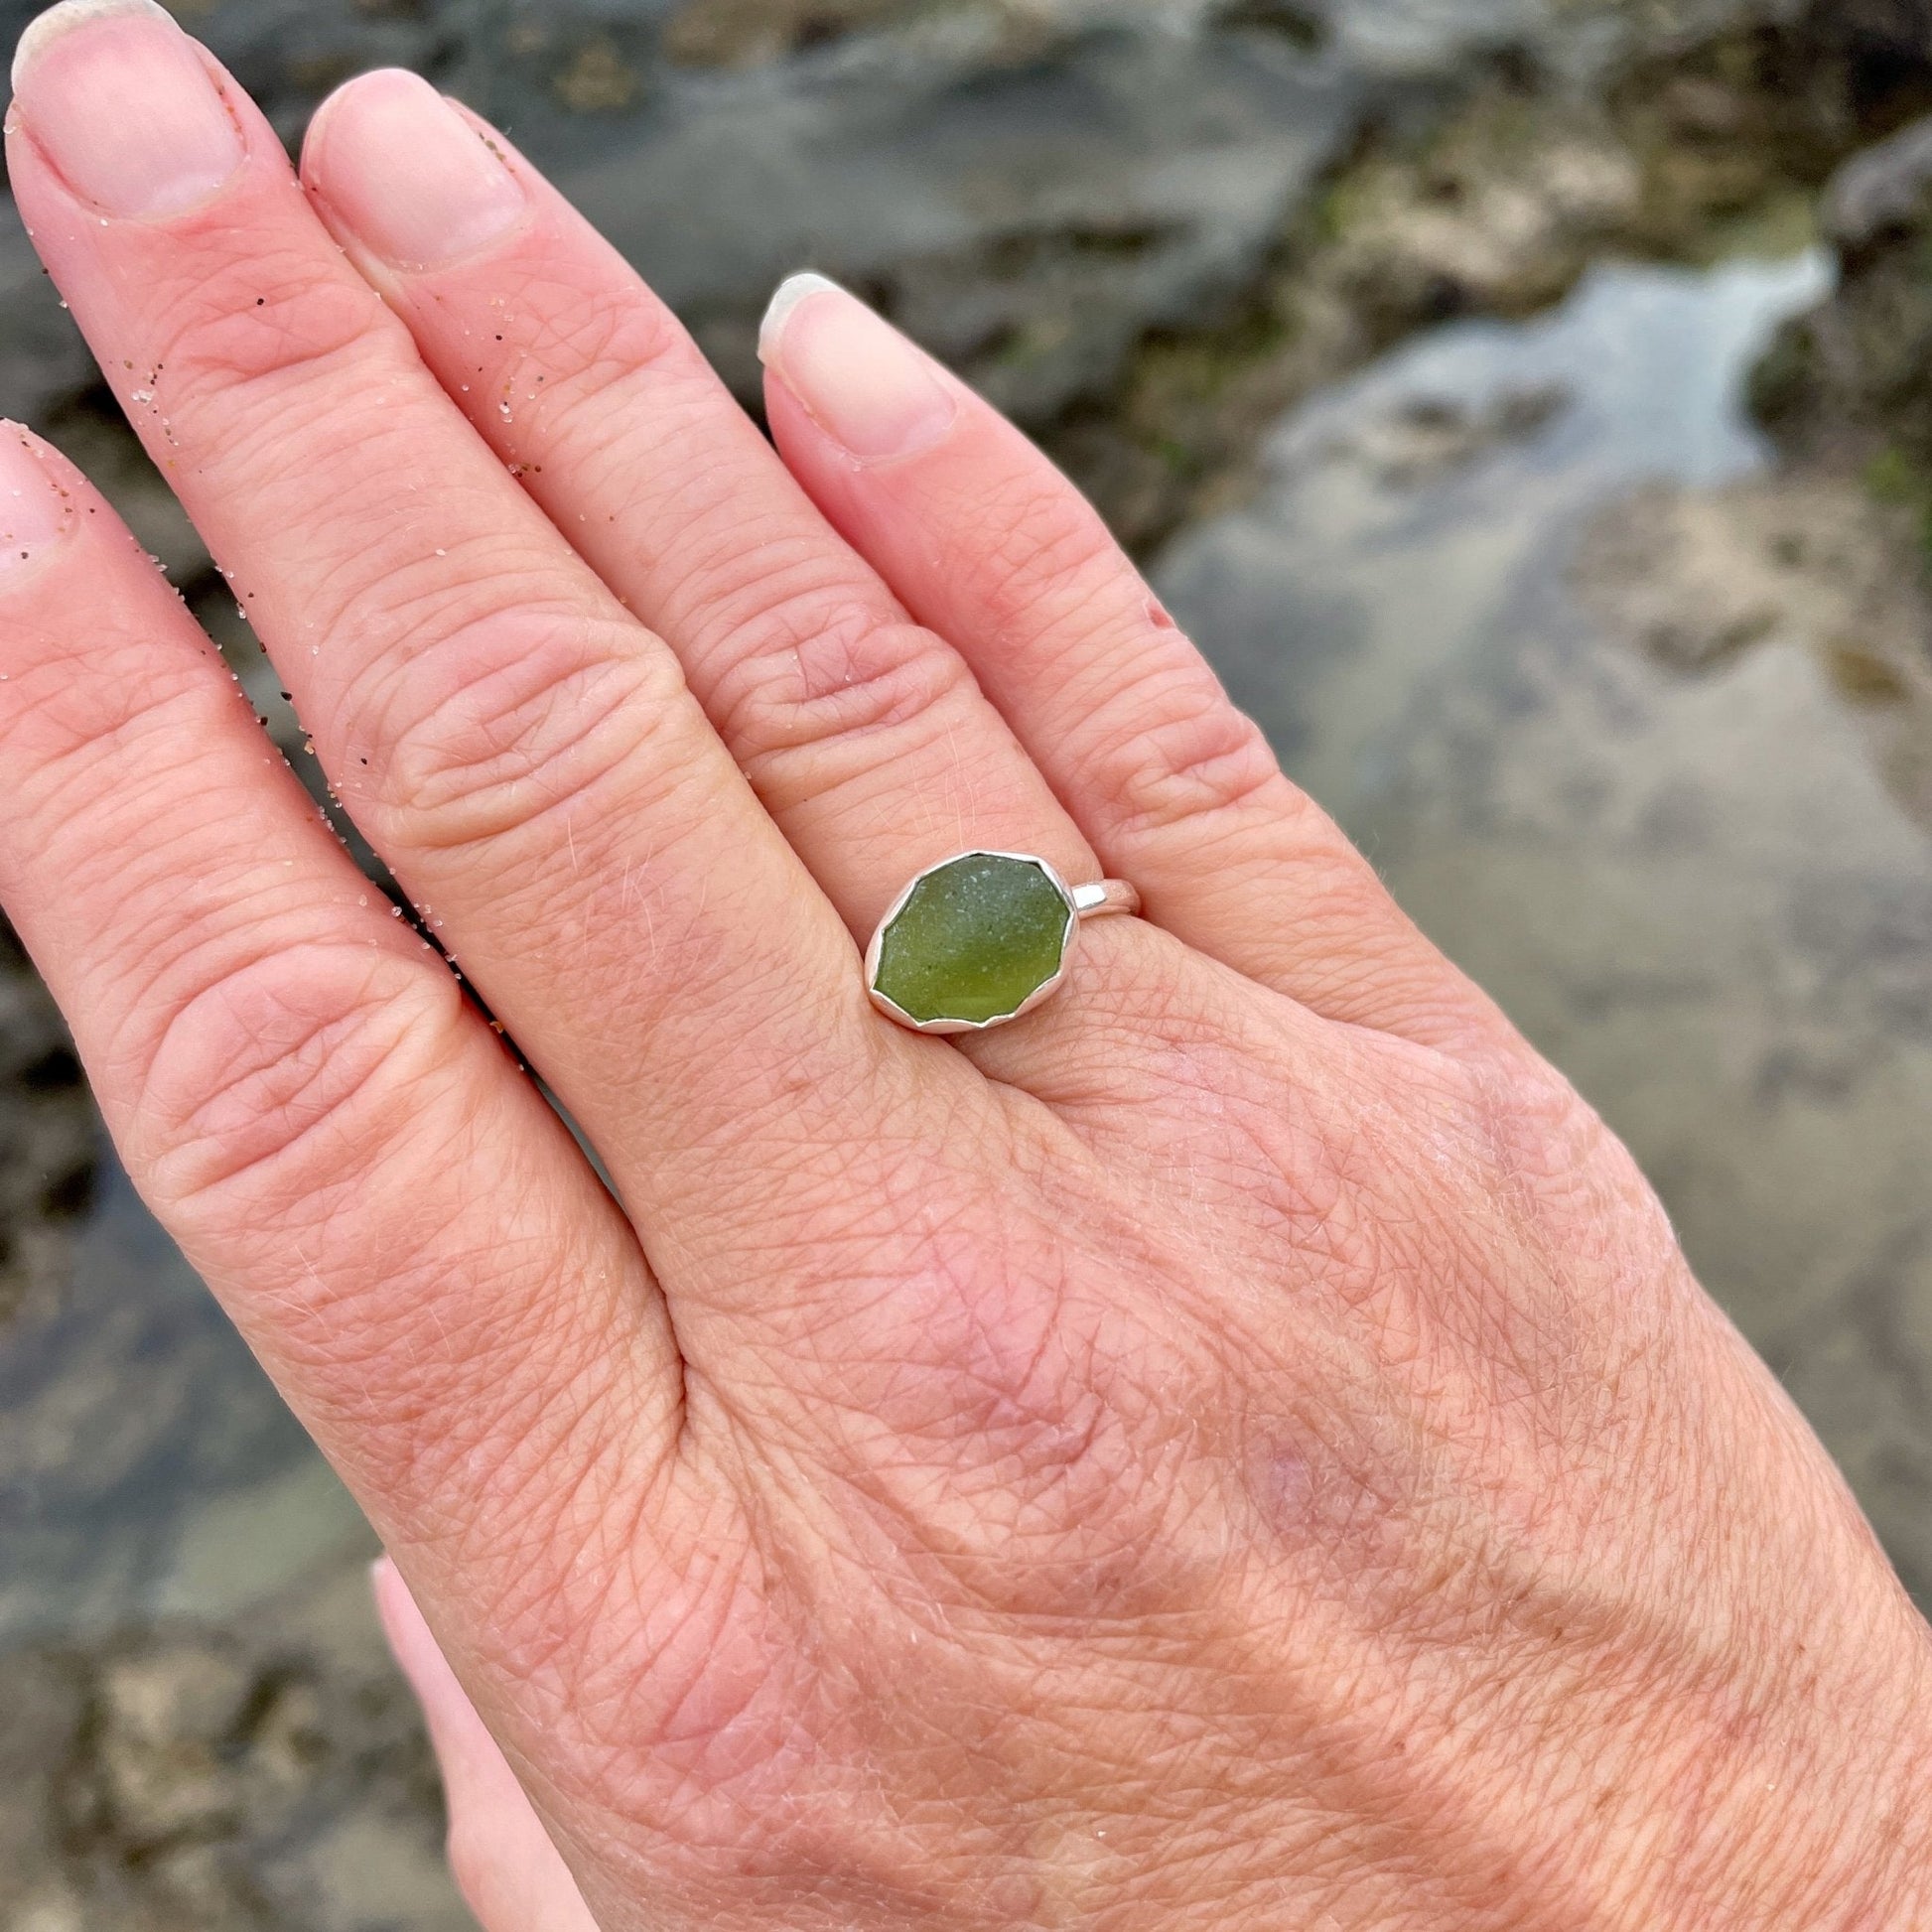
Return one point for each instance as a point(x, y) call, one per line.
point(1527, 405)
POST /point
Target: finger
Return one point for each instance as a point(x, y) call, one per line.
point(522, 752)
point(511, 1873)
point(863, 733)
point(400, 1227)
point(989, 544)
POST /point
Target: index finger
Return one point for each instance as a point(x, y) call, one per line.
point(522, 752)
point(400, 1227)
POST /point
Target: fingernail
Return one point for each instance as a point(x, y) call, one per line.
point(119, 99)
point(411, 1643)
point(393, 1608)
point(859, 379)
point(406, 173)
point(32, 507)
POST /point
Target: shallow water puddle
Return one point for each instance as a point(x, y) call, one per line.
point(1698, 893)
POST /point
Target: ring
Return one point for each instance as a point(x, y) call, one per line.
point(981, 938)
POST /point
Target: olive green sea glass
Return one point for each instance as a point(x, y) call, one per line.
point(976, 939)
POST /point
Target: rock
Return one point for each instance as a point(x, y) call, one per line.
point(49, 1135)
point(1881, 195)
point(1429, 436)
point(1849, 385)
point(1497, 218)
point(1696, 576)
point(43, 1707)
point(737, 33)
point(1495, 209)
point(1804, 560)
point(598, 79)
point(216, 1780)
point(169, 1745)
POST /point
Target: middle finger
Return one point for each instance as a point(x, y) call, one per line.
point(523, 752)
point(863, 732)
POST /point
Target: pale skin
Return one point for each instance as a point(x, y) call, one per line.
point(1239, 1448)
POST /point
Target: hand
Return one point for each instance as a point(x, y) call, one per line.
point(1238, 1447)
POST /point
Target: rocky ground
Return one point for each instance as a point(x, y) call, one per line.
point(47, 1138)
point(1150, 229)
point(189, 1778)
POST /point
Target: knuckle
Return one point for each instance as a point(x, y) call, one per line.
point(597, 327)
point(1044, 542)
point(829, 687)
point(594, 346)
point(64, 727)
point(274, 319)
point(507, 719)
point(1170, 749)
point(290, 1076)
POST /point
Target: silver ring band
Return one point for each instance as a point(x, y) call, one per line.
point(1107, 895)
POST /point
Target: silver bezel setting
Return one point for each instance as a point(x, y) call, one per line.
point(1045, 991)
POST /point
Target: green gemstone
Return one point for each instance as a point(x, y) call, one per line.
point(975, 940)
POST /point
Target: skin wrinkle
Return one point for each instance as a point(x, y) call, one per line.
point(962, 1526)
point(272, 1052)
point(825, 1840)
point(260, 919)
point(1022, 537)
point(1133, 996)
point(594, 350)
point(733, 569)
point(570, 431)
point(61, 724)
point(431, 1262)
point(1269, 1139)
point(733, 564)
point(259, 319)
point(778, 1120)
point(1193, 764)
point(403, 601)
point(830, 695)
point(738, 1756)
point(513, 719)
point(722, 1582)
point(235, 898)
point(520, 1452)
point(408, 608)
point(865, 1413)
